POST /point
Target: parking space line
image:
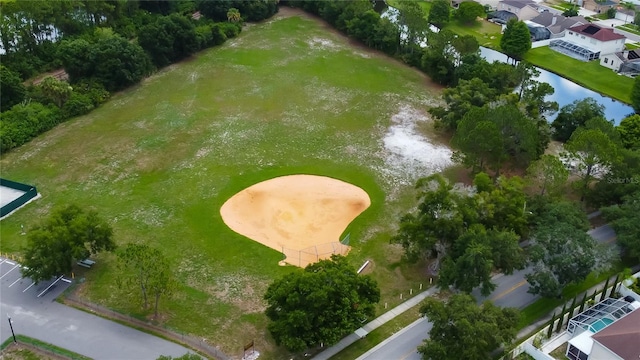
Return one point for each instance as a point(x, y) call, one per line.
point(66, 280)
point(10, 262)
point(3, 260)
point(13, 268)
point(29, 287)
point(48, 287)
point(13, 283)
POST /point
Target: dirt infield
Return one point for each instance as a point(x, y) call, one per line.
point(302, 216)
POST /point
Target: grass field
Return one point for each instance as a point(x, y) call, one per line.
point(287, 96)
point(588, 74)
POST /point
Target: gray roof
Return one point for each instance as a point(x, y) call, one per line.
point(561, 23)
point(520, 3)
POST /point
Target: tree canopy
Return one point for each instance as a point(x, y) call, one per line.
point(575, 115)
point(11, 88)
point(67, 235)
point(320, 304)
point(469, 11)
point(625, 220)
point(548, 174)
point(463, 330)
point(440, 12)
point(516, 39)
point(629, 130)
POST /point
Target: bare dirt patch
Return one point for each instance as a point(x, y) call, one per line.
point(302, 216)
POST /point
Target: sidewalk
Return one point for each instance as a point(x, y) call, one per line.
point(374, 324)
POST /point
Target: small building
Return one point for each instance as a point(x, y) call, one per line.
point(522, 9)
point(600, 6)
point(588, 42)
point(610, 330)
point(558, 24)
point(501, 16)
point(625, 62)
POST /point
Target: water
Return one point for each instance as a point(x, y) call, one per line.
point(566, 91)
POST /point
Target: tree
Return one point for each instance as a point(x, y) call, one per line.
point(629, 130)
point(57, 91)
point(11, 88)
point(320, 304)
point(625, 220)
point(468, 11)
point(491, 136)
point(620, 180)
point(575, 115)
point(233, 15)
point(561, 255)
point(635, 95)
point(440, 13)
point(168, 39)
point(463, 330)
point(592, 152)
point(67, 235)
point(516, 39)
point(571, 11)
point(413, 17)
point(149, 269)
point(548, 174)
point(460, 100)
point(553, 211)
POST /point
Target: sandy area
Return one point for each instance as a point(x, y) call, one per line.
point(301, 216)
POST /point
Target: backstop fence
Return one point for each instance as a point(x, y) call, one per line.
point(313, 254)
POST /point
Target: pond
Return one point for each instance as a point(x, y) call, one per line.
point(566, 91)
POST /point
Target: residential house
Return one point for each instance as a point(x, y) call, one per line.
point(626, 62)
point(557, 24)
point(618, 341)
point(537, 31)
point(600, 6)
point(523, 9)
point(588, 42)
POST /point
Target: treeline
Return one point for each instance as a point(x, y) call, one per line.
point(103, 46)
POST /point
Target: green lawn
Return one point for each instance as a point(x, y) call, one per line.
point(488, 34)
point(630, 28)
point(158, 160)
point(588, 74)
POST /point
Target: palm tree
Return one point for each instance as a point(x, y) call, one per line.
point(233, 15)
point(627, 5)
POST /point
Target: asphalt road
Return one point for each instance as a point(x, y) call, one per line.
point(42, 318)
point(511, 291)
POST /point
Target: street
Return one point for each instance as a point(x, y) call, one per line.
point(511, 291)
point(35, 313)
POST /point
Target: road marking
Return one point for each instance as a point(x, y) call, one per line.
point(49, 287)
point(29, 287)
point(13, 268)
point(509, 290)
point(66, 280)
point(3, 260)
point(13, 283)
point(10, 262)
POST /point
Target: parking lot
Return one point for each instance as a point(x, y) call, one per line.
point(35, 313)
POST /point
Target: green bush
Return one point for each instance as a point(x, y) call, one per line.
point(24, 122)
point(78, 104)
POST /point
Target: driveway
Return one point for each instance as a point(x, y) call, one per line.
point(35, 313)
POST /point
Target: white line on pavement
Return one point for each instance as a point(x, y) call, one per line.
point(10, 262)
point(49, 287)
point(13, 283)
point(13, 268)
point(28, 287)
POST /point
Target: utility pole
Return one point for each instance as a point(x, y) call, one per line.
point(11, 326)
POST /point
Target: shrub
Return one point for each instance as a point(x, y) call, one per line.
point(78, 104)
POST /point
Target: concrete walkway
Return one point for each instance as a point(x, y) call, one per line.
point(374, 324)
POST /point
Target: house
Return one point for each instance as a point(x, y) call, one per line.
point(537, 31)
point(557, 24)
point(627, 61)
point(522, 9)
point(600, 6)
point(609, 330)
point(588, 42)
point(618, 341)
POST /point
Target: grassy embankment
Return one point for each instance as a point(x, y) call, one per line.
point(158, 160)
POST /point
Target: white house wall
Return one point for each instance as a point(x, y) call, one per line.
point(611, 61)
point(599, 352)
point(605, 47)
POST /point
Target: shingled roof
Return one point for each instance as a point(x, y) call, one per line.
point(622, 337)
point(596, 32)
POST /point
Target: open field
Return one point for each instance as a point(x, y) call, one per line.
point(157, 161)
point(588, 74)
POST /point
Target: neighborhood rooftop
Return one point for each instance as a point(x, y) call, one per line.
point(597, 32)
point(622, 337)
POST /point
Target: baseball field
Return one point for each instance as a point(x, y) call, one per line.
point(287, 97)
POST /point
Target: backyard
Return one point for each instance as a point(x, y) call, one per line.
point(588, 74)
point(288, 96)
